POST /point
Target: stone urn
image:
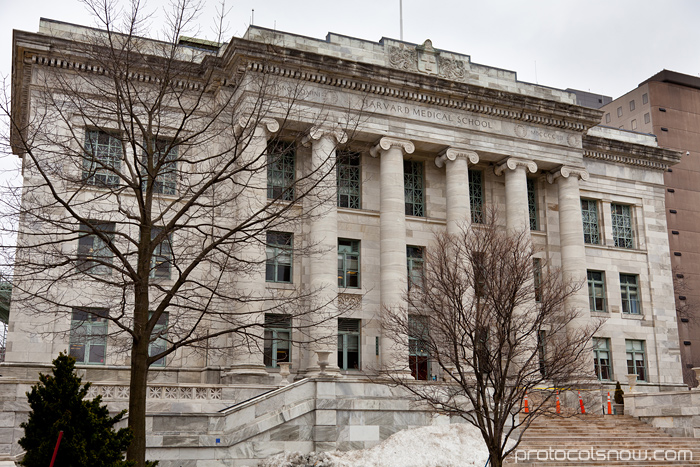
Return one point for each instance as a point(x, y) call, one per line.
point(697, 377)
point(284, 373)
point(632, 382)
point(323, 359)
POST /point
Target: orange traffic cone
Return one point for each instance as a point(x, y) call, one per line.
point(609, 404)
point(558, 403)
point(525, 406)
point(580, 402)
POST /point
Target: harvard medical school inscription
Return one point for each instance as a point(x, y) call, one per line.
point(450, 118)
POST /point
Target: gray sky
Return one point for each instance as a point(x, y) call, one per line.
point(602, 46)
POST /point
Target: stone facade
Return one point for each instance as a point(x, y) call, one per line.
point(537, 154)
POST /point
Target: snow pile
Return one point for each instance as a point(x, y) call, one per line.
point(459, 445)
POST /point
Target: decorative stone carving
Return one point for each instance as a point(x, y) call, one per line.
point(348, 302)
point(387, 143)
point(451, 154)
point(451, 69)
point(427, 58)
point(318, 132)
point(513, 163)
point(403, 58)
point(269, 125)
point(520, 131)
point(566, 172)
point(284, 373)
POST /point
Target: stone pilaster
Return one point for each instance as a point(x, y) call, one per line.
point(573, 251)
point(457, 186)
point(247, 363)
point(517, 213)
point(323, 239)
point(392, 222)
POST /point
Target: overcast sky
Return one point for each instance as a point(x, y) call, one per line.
point(602, 46)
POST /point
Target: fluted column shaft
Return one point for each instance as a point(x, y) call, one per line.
point(392, 222)
point(457, 187)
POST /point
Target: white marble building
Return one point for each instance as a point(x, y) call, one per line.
point(437, 140)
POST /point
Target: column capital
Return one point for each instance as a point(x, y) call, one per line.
point(566, 172)
point(512, 163)
point(451, 154)
point(318, 132)
point(387, 143)
point(269, 125)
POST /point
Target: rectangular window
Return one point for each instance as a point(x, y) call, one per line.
point(348, 344)
point(629, 293)
point(589, 212)
point(413, 188)
point(162, 258)
point(164, 168)
point(88, 335)
point(278, 337)
point(601, 359)
point(619, 111)
point(622, 226)
point(414, 264)
point(537, 278)
point(645, 98)
point(418, 346)
point(607, 117)
point(278, 265)
point(631, 105)
point(348, 263)
point(532, 203)
point(647, 117)
point(596, 291)
point(158, 343)
point(634, 124)
point(636, 359)
point(476, 196)
point(102, 158)
point(94, 255)
point(280, 170)
point(542, 351)
point(348, 180)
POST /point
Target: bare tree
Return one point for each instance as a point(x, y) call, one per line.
point(496, 324)
point(151, 186)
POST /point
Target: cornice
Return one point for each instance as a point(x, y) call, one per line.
point(621, 152)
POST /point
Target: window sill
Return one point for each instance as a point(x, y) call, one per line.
point(600, 314)
point(639, 317)
point(279, 285)
point(615, 248)
point(350, 291)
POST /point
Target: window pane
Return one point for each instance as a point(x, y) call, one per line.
point(348, 180)
point(532, 203)
point(280, 170)
point(102, 158)
point(589, 213)
point(476, 196)
point(413, 188)
point(622, 226)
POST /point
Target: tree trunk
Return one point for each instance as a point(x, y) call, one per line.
point(137, 402)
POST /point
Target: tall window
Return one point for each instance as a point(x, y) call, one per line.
point(636, 359)
point(162, 258)
point(631, 105)
point(542, 351)
point(94, 256)
point(348, 263)
point(601, 358)
point(537, 278)
point(165, 167)
point(348, 179)
point(158, 343)
point(596, 291)
point(607, 117)
point(418, 346)
point(280, 170)
point(647, 117)
point(88, 335)
point(589, 212)
point(645, 98)
point(278, 335)
point(413, 188)
point(476, 195)
point(102, 158)
point(629, 292)
point(532, 203)
point(622, 226)
point(348, 344)
point(278, 266)
point(414, 264)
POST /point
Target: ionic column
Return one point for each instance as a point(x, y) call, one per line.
point(457, 186)
point(392, 222)
point(573, 251)
point(323, 238)
point(247, 362)
point(517, 212)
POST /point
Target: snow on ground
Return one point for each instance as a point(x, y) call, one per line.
point(459, 445)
